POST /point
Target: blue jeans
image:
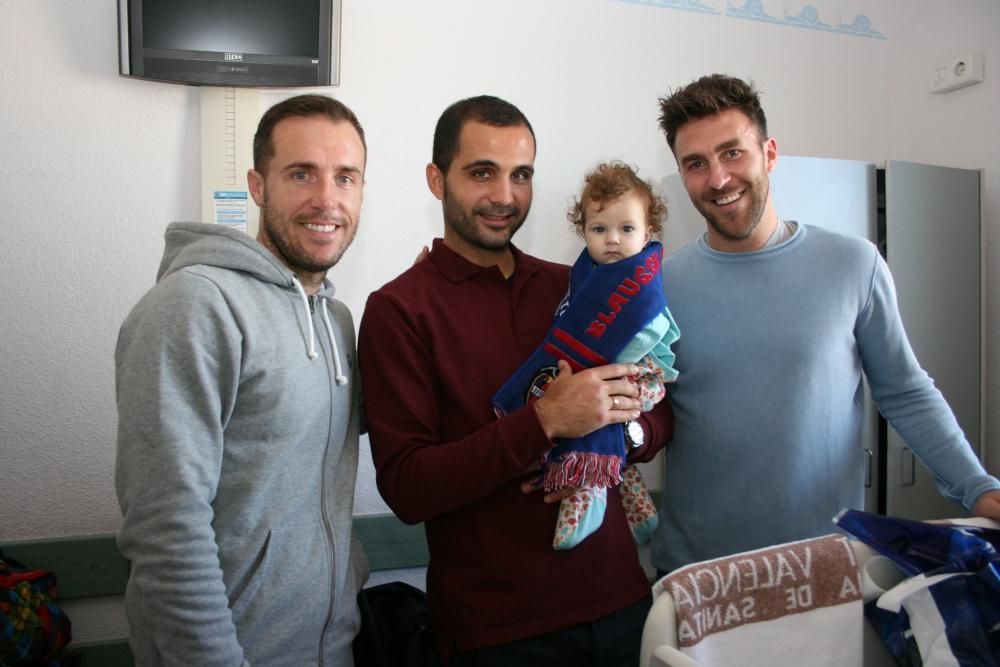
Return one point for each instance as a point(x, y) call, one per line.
point(610, 641)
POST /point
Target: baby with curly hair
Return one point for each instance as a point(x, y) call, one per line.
point(614, 311)
point(618, 215)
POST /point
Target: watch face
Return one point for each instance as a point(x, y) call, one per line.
point(634, 432)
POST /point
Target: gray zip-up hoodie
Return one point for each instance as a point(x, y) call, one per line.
point(237, 455)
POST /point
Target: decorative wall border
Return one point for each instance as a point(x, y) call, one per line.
point(793, 15)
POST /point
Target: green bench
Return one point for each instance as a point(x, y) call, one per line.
point(92, 566)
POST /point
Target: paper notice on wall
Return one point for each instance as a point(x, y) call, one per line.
point(230, 208)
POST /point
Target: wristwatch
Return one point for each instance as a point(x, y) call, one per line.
point(633, 434)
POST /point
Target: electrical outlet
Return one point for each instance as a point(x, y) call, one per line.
point(957, 73)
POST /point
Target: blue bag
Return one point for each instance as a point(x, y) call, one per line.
point(948, 611)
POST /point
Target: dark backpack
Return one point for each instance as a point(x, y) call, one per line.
point(395, 628)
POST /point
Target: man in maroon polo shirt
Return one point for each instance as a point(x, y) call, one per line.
point(435, 345)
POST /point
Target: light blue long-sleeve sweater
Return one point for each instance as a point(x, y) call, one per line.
point(237, 457)
point(768, 404)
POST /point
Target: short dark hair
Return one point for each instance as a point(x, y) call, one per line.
point(607, 182)
point(300, 106)
point(708, 96)
point(484, 109)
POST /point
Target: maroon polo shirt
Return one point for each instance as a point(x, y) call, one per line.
point(435, 345)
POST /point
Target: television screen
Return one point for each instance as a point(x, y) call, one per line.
point(265, 43)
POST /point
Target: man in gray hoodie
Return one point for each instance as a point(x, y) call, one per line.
point(238, 418)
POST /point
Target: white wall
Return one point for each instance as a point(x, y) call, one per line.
point(95, 165)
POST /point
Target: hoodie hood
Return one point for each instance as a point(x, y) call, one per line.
point(200, 244)
point(194, 243)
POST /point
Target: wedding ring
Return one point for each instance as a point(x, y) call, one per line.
point(614, 402)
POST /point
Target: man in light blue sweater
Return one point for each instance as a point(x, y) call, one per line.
point(780, 320)
point(238, 419)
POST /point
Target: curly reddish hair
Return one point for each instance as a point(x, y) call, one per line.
point(607, 182)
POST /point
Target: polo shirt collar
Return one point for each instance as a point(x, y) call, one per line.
point(456, 268)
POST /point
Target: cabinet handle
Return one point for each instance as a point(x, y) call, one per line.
point(907, 467)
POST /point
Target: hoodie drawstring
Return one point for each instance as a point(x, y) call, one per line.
point(311, 339)
point(339, 377)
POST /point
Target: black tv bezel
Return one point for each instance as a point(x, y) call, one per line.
point(219, 68)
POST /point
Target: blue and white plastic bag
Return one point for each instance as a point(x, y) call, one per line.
point(947, 613)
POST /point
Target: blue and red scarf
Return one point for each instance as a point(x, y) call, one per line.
point(611, 313)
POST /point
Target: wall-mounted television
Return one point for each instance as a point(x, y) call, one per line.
point(261, 43)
